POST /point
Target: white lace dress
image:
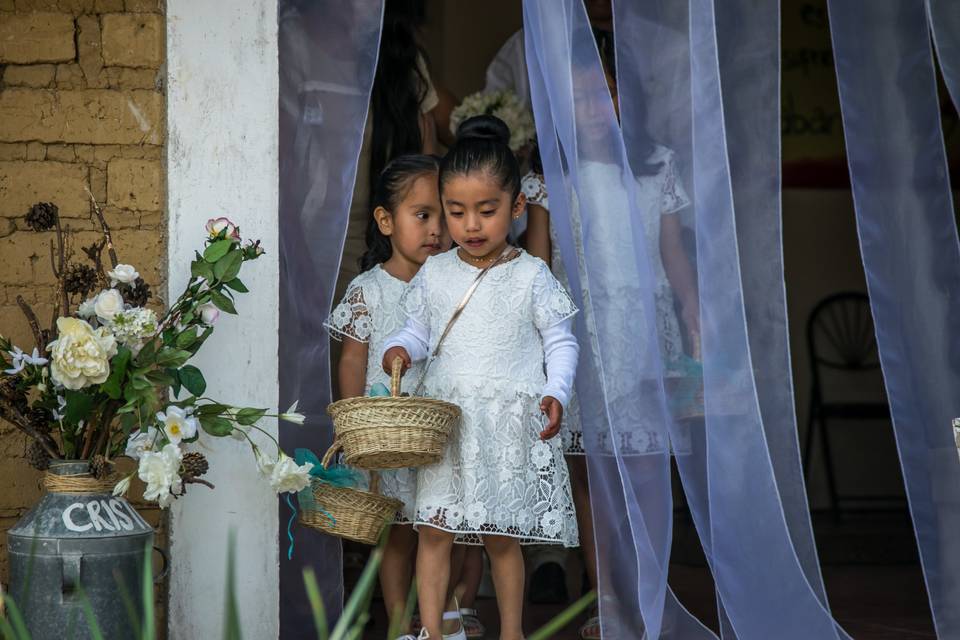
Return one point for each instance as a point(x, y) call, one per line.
point(497, 476)
point(369, 312)
point(661, 192)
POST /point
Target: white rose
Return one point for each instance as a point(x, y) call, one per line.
point(140, 442)
point(161, 473)
point(80, 356)
point(108, 304)
point(285, 475)
point(87, 308)
point(123, 273)
point(208, 313)
point(216, 225)
point(177, 424)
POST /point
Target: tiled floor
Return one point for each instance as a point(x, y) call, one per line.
point(873, 581)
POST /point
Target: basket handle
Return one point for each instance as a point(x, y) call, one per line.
point(328, 456)
point(374, 482)
point(395, 377)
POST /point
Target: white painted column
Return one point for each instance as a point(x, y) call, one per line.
point(222, 161)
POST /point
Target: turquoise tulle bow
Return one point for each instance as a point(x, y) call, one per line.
point(337, 476)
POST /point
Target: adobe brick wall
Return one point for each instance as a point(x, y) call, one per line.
point(82, 106)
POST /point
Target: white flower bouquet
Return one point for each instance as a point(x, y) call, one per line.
point(107, 378)
point(503, 104)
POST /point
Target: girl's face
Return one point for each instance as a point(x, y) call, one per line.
point(478, 213)
point(416, 228)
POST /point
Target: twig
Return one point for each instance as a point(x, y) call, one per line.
point(192, 480)
point(106, 229)
point(106, 418)
point(61, 270)
point(10, 413)
point(34, 325)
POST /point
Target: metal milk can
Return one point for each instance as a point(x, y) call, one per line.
point(74, 547)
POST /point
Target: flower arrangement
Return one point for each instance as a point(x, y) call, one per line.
point(503, 104)
point(106, 378)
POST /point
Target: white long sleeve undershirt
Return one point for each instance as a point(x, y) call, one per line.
point(560, 353)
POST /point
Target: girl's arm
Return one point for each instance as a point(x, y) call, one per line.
point(680, 273)
point(538, 232)
point(560, 354)
point(412, 343)
point(352, 368)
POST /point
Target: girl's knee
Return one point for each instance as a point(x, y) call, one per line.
point(500, 544)
point(431, 536)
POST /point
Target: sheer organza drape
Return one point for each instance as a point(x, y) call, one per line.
point(908, 238)
point(700, 91)
point(328, 55)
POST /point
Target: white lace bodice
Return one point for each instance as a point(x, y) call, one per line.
point(496, 342)
point(369, 312)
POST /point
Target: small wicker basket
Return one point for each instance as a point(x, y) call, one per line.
point(350, 513)
point(392, 432)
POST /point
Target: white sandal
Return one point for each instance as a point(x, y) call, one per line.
point(424, 635)
point(470, 617)
point(457, 635)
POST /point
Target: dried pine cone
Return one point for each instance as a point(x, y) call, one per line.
point(37, 456)
point(80, 279)
point(39, 418)
point(8, 388)
point(195, 464)
point(42, 216)
point(100, 467)
point(136, 294)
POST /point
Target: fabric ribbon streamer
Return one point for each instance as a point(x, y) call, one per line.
point(337, 476)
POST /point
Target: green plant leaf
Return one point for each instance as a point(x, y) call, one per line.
point(237, 285)
point(223, 302)
point(118, 368)
point(186, 338)
point(192, 380)
point(147, 354)
point(202, 269)
point(78, 406)
point(228, 266)
point(160, 377)
point(249, 416)
point(216, 426)
point(173, 358)
point(214, 408)
point(140, 383)
point(216, 250)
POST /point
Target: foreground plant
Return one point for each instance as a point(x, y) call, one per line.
point(98, 382)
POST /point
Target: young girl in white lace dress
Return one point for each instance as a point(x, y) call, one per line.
point(508, 362)
point(406, 227)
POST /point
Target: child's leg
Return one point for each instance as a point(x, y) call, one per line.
point(580, 487)
point(433, 576)
point(471, 576)
point(506, 564)
point(396, 568)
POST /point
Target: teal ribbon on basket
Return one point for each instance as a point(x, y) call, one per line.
point(337, 476)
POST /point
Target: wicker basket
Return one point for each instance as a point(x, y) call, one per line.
point(356, 515)
point(394, 432)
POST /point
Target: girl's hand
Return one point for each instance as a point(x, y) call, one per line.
point(551, 408)
point(392, 354)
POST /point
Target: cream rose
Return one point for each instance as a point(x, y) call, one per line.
point(123, 273)
point(80, 356)
point(285, 474)
point(108, 304)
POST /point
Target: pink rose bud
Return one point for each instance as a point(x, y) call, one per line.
point(208, 313)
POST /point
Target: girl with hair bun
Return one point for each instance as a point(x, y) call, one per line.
point(508, 361)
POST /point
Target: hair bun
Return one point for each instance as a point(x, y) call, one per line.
point(484, 128)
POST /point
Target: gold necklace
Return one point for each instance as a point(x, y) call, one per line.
point(471, 258)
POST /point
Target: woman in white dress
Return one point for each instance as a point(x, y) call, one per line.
point(660, 195)
point(509, 359)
